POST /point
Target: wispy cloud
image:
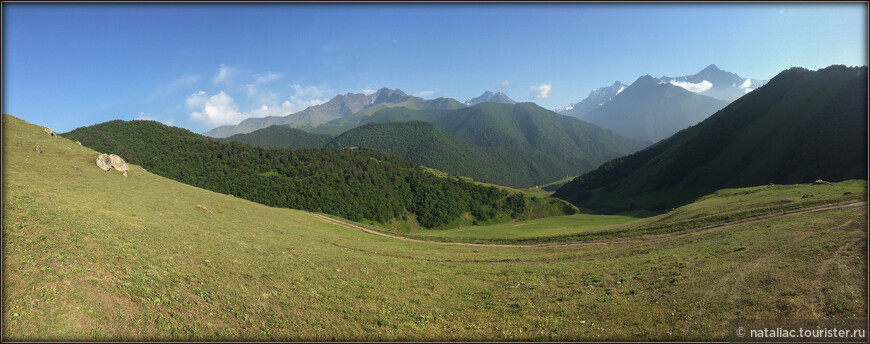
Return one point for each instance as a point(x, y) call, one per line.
point(702, 86)
point(307, 92)
point(180, 82)
point(260, 79)
point(223, 75)
point(503, 84)
point(425, 94)
point(264, 78)
point(541, 91)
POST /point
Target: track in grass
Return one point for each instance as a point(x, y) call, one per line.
point(630, 240)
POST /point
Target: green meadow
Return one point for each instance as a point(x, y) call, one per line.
point(94, 255)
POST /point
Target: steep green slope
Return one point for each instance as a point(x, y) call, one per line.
point(801, 126)
point(425, 144)
point(523, 126)
point(358, 184)
point(280, 136)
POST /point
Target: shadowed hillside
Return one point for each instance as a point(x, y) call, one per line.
point(803, 125)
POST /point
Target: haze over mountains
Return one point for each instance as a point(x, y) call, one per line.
point(498, 97)
point(655, 108)
point(802, 126)
point(716, 83)
point(340, 106)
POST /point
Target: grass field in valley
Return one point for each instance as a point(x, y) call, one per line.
point(94, 255)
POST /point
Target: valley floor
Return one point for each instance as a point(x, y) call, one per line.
point(94, 255)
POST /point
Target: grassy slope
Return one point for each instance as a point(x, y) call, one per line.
point(94, 255)
point(727, 203)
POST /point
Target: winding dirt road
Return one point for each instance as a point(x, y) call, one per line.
point(619, 241)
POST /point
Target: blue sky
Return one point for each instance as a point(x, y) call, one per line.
point(199, 65)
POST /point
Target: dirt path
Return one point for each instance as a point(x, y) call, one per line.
point(728, 282)
point(631, 240)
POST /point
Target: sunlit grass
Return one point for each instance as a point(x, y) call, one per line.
point(92, 255)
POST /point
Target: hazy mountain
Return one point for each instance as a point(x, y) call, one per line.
point(801, 126)
point(490, 97)
point(716, 83)
point(596, 98)
point(651, 110)
point(340, 106)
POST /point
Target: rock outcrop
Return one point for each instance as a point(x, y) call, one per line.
point(104, 162)
point(118, 163)
point(108, 162)
point(48, 131)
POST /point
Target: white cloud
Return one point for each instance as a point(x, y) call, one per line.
point(216, 110)
point(425, 94)
point(223, 75)
point(368, 91)
point(264, 78)
point(221, 109)
point(746, 86)
point(285, 108)
point(702, 86)
point(541, 91)
point(503, 84)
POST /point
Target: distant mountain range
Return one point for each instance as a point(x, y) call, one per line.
point(340, 106)
point(490, 97)
point(596, 98)
point(345, 105)
point(716, 83)
point(802, 126)
point(650, 110)
point(519, 145)
point(655, 108)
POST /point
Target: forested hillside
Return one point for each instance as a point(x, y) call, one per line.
point(356, 184)
point(280, 136)
point(425, 144)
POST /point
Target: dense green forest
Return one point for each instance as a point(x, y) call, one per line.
point(802, 126)
point(280, 136)
point(358, 184)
